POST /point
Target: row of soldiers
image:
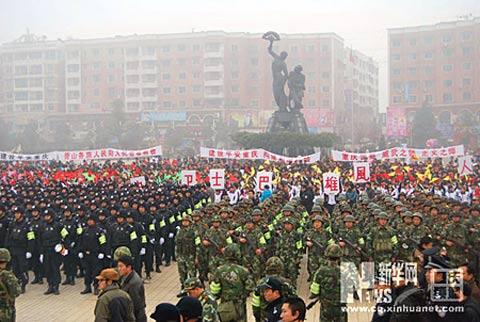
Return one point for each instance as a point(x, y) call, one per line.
point(82, 233)
point(379, 230)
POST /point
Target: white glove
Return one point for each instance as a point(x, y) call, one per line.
point(178, 227)
point(142, 251)
point(162, 240)
point(80, 255)
point(28, 255)
point(170, 235)
point(100, 256)
point(152, 241)
point(109, 256)
point(41, 258)
point(65, 252)
point(72, 244)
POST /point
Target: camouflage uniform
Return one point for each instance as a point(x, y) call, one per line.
point(9, 289)
point(458, 234)
point(185, 250)
point(326, 286)
point(353, 236)
point(209, 304)
point(289, 249)
point(217, 240)
point(231, 284)
point(316, 240)
point(383, 241)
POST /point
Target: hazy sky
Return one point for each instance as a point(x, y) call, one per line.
point(361, 23)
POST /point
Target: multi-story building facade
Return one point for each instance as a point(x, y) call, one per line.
point(436, 64)
point(175, 77)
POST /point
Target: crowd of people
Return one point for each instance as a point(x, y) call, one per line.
point(236, 243)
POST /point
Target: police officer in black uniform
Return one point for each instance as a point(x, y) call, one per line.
point(69, 261)
point(52, 247)
point(93, 249)
point(36, 223)
point(19, 242)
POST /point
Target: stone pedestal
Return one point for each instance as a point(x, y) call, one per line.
point(294, 122)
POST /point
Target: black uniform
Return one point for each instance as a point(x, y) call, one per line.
point(50, 236)
point(36, 224)
point(93, 249)
point(19, 241)
point(70, 260)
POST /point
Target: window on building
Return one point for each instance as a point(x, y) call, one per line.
point(428, 39)
point(311, 89)
point(466, 82)
point(196, 102)
point(396, 71)
point(467, 51)
point(149, 64)
point(181, 90)
point(397, 99)
point(182, 104)
point(74, 54)
point(111, 78)
point(325, 103)
point(166, 90)
point(235, 88)
point(325, 75)
point(165, 76)
point(311, 103)
point(181, 47)
point(150, 92)
point(196, 75)
point(196, 88)
point(235, 75)
point(112, 93)
point(447, 98)
point(149, 105)
point(428, 55)
point(133, 106)
point(413, 42)
point(73, 94)
point(234, 48)
point(446, 39)
point(132, 65)
point(429, 98)
point(133, 79)
point(73, 81)
point(133, 92)
point(254, 103)
point(96, 78)
point(132, 51)
point(148, 78)
point(165, 62)
point(96, 92)
point(467, 96)
point(412, 71)
point(412, 56)
point(467, 66)
point(447, 68)
point(325, 89)
point(182, 75)
point(395, 43)
point(149, 50)
point(21, 83)
point(254, 61)
point(36, 69)
point(196, 47)
point(395, 57)
point(447, 83)
point(111, 65)
point(466, 35)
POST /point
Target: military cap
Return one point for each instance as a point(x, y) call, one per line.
point(316, 208)
point(456, 214)
point(5, 256)
point(18, 209)
point(349, 218)
point(288, 207)
point(288, 220)
point(256, 211)
point(48, 212)
point(216, 218)
point(225, 209)
point(407, 214)
point(121, 251)
point(273, 262)
point(333, 251)
point(417, 214)
point(196, 213)
point(382, 215)
point(191, 283)
point(187, 218)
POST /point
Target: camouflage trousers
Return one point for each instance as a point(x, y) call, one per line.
point(255, 265)
point(186, 267)
point(232, 311)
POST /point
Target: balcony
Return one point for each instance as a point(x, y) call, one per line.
point(214, 82)
point(214, 54)
point(213, 68)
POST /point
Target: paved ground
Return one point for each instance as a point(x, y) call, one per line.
point(71, 306)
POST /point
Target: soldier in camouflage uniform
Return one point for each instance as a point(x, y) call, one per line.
point(214, 241)
point(316, 241)
point(351, 241)
point(9, 288)
point(251, 242)
point(289, 248)
point(202, 252)
point(185, 250)
point(326, 286)
point(231, 284)
point(382, 240)
point(194, 287)
point(456, 240)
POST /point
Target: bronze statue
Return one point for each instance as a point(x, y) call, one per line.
point(296, 86)
point(279, 71)
point(296, 80)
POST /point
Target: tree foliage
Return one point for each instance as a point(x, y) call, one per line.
point(424, 126)
point(279, 141)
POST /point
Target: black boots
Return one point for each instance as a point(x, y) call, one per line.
point(69, 280)
point(86, 290)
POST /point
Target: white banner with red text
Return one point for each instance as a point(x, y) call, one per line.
point(399, 153)
point(83, 155)
point(255, 154)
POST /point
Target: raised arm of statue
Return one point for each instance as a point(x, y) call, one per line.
point(271, 52)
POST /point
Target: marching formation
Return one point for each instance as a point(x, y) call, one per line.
point(246, 240)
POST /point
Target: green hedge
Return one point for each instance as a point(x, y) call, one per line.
point(278, 141)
